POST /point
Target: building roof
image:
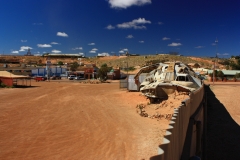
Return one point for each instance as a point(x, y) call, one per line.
point(6, 74)
point(227, 72)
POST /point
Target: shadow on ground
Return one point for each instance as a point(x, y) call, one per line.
point(223, 133)
point(20, 86)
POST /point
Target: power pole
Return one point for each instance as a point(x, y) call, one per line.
point(216, 42)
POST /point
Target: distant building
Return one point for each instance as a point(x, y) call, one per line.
point(59, 55)
point(128, 54)
point(162, 54)
point(133, 54)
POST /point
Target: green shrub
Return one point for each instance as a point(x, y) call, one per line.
point(2, 85)
point(220, 74)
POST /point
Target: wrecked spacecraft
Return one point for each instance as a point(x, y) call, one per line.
point(164, 79)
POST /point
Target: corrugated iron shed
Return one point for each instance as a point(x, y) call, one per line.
point(10, 79)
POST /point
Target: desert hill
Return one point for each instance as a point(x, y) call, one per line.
point(113, 61)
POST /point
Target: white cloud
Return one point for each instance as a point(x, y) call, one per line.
point(174, 44)
point(127, 3)
point(24, 48)
point(44, 45)
point(56, 51)
point(91, 44)
point(110, 27)
point(141, 41)
point(103, 54)
point(76, 48)
point(121, 51)
point(15, 52)
point(54, 43)
point(136, 24)
point(160, 23)
point(165, 38)
point(38, 54)
point(82, 54)
point(129, 36)
point(62, 34)
point(23, 40)
point(92, 51)
point(125, 49)
point(199, 47)
point(213, 44)
point(225, 54)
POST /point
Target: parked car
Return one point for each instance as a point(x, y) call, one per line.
point(71, 77)
point(79, 78)
point(40, 78)
point(55, 77)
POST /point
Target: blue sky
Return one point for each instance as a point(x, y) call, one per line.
point(144, 27)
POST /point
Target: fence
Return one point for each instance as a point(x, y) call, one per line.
point(183, 138)
point(53, 71)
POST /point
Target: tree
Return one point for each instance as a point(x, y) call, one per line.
point(215, 73)
point(237, 57)
point(60, 63)
point(220, 74)
point(235, 66)
point(74, 66)
point(225, 62)
point(102, 72)
point(237, 75)
point(196, 65)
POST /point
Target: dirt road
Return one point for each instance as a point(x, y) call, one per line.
point(66, 120)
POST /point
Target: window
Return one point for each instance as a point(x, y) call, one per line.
point(182, 78)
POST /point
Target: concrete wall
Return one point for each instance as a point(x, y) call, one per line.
point(183, 136)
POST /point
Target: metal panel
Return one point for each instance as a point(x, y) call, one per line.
point(123, 83)
point(131, 83)
point(34, 71)
point(142, 77)
point(42, 71)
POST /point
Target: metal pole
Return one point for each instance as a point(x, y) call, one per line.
point(213, 71)
point(216, 41)
point(127, 67)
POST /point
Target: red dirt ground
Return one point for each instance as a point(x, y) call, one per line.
point(71, 120)
point(223, 121)
point(228, 94)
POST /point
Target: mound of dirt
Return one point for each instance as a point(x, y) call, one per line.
point(164, 109)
